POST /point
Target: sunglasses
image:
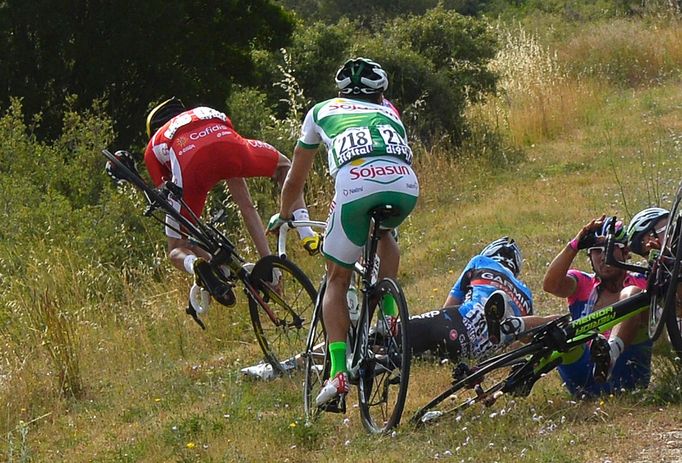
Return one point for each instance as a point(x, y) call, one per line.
point(603, 248)
point(655, 233)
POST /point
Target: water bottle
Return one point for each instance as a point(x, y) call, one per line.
point(353, 304)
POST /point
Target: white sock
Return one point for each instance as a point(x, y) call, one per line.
point(617, 347)
point(189, 263)
point(511, 327)
point(302, 214)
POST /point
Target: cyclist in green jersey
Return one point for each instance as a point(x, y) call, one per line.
point(369, 158)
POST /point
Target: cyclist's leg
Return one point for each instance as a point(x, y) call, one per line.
point(441, 332)
point(633, 367)
point(341, 254)
point(576, 373)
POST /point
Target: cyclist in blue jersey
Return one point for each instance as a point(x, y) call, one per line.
point(459, 329)
point(621, 360)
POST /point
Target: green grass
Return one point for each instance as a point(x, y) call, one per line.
point(154, 387)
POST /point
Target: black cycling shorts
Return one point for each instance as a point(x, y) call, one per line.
point(441, 332)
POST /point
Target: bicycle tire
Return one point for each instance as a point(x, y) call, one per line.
point(479, 384)
point(671, 253)
point(672, 321)
point(675, 332)
point(661, 276)
point(385, 372)
point(317, 361)
point(293, 304)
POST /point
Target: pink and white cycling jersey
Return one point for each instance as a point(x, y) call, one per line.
point(581, 302)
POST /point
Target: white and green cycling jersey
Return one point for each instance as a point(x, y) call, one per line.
point(352, 129)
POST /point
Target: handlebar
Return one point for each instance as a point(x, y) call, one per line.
point(611, 259)
point(291, 224)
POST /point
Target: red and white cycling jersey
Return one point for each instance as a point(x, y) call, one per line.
point(198, 148)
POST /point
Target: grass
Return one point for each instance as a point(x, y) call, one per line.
point(154, 387)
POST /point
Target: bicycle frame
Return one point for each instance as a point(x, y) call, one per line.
point(550, 344)
point(204, 235)
point(586, 328)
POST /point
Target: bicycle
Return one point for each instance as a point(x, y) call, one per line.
point(378, 359)
point(280, 296)
point(664, 302)
point(515, 372)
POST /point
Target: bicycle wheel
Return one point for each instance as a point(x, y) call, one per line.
point(290, 301)
point(674, 325)
point(385, 368)
point(664, 294)
point(317, 362)
point(482, 384)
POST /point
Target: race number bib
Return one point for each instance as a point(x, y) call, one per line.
point(353, 143)
point(395, 144)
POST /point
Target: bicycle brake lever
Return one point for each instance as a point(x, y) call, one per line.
point(193, 313)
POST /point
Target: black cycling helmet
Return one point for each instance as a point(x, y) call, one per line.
point(162, 114)
point(619, 234)
point(361, 76)
point(642, 223)
point(506, 252)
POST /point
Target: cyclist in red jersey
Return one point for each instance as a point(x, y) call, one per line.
point(197, 148)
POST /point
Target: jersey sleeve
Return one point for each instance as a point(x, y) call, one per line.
point(583, 286)
point(461, 287)
point(310, 137)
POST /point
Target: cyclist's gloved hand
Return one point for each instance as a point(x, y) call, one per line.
point(275, 222)
point(586, 237)
point(312, 244)
point(587, 240)
point(126, 159)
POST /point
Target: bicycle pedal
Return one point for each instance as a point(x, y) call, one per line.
point(337, 405)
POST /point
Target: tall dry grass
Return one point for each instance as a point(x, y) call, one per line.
point(545, 91)
point(537, 97)
point(626, 52)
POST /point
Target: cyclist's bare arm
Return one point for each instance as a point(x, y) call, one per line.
point(292, 192)
point(254, 225)
point(283, 166)
point(557, 281)
point(452, 300)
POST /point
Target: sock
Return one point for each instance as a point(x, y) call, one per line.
point(302, 214)
point(510, 327)
point(617, 347)
point(337, 352)
point(189, 263)
point(389, 306)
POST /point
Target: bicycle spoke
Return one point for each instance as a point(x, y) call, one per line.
point(290, 302)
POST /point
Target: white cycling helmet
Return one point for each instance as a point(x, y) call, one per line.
point(641, 224)
point(506, 252)
point(361, 76)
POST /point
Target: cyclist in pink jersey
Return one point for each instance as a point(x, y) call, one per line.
point(196, 149)
point(621, 359)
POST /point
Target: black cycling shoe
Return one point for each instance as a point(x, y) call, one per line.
point(494, 314)
point(337, 405)
point(207, 279)
point(600, 352)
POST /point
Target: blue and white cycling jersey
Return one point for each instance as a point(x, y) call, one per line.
point(480, 278)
